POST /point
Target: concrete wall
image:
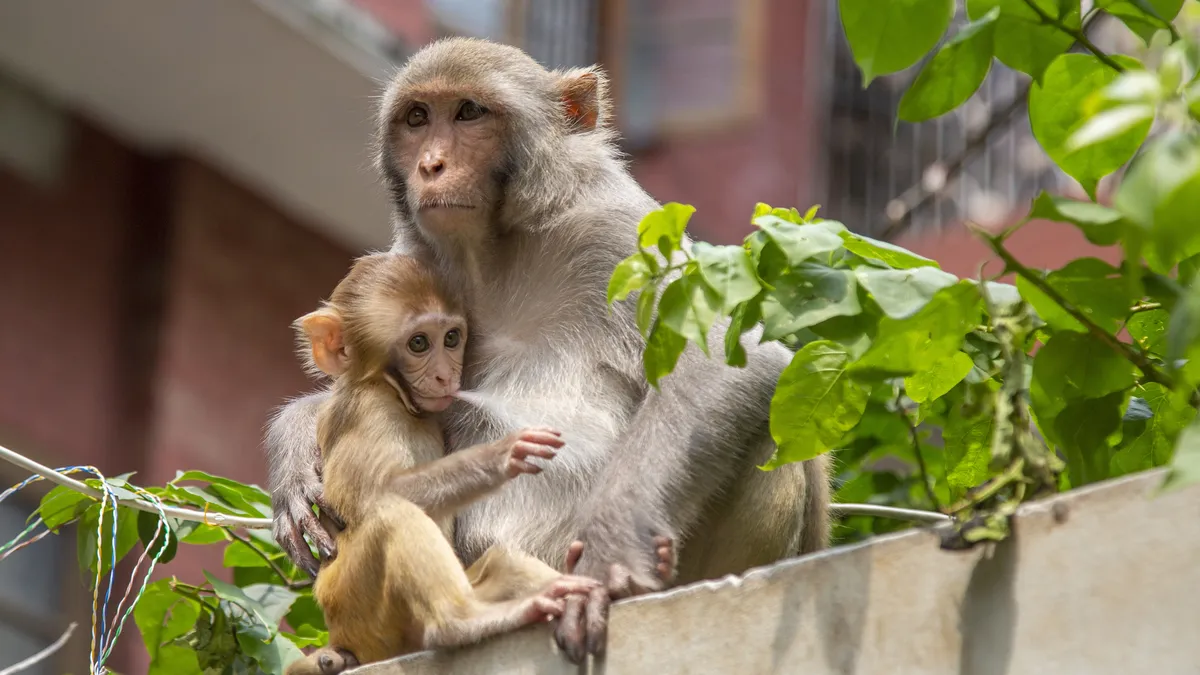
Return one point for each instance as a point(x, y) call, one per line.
point(1100, 580)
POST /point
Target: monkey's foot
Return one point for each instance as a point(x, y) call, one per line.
point(324, 661)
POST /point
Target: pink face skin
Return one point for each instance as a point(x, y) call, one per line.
point(430, 361)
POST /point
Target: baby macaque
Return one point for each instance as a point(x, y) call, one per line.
point(393, 343)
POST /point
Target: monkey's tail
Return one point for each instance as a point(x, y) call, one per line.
point(814, 536)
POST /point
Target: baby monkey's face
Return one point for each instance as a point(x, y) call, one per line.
point(428, 360)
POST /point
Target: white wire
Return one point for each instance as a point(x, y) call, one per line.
point(210, 518)
point(224, 520)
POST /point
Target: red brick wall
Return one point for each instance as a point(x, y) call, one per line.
point(59, 258)
point(233, 271)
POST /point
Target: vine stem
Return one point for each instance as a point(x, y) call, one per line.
point(1076, 33)
point(1149, 370)
point(292, 585)
point(916, 443)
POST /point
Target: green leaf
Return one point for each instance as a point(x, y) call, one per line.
point(902, 293)
point(798, 242)
point(1109, 124)
point(1143, 17)
point(156, 535)
point(306, 612)
point(162, 616)
point(1149, 330)
point(238, 597)
point(1155, 443)
point(688, 307)
point(954, 73)
point(728, 270)
point(968, 450)
point(1101, 225)
point(666, 224)
point(238, 554)
point(1022, 41)
point(240, 496)
point(891, 36)
point(1091, 285)
point(815, 404)
point(1161, 193)
point(630, 275)
point(1185, 466)
point(807, 295)
point(199, 533)
point(1056, 110)
point(908, 346)
point(883, 253)
point(61, 506)
point(1183, 330)
point(744, 318)
point(87, 531)
point(275, 600)
point(1074, 366)
point(1083, 429)
point(939, 379)
point(307, 636)
point(663, 348)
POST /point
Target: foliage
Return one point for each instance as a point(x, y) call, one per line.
point(962, 395)
point(218, 626)
point(967, 395)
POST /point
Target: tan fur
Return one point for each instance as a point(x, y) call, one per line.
point(397, 585)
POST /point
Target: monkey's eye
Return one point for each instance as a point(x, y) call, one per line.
point(452, 338)
point(470, 110)
point(418, 344)
point(417, 116)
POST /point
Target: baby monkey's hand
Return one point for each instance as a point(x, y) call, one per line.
point(515, 449)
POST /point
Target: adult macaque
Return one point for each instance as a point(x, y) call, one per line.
point(393, 344)
point(505, 179)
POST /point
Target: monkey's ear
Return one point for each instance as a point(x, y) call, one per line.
point(584, 97)
point(323, 330)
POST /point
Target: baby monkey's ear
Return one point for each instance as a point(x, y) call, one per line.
point(326, 351)
point(584, 95)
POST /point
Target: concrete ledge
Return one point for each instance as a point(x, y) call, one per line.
point(1101, 580)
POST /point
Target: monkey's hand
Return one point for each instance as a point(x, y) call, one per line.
point(583, 627)
point(292, 503)
point(514, 450)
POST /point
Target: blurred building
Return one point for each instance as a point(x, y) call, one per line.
point(179, 180)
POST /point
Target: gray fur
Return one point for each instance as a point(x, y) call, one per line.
point(638, 463)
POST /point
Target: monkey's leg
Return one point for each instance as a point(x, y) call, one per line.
point(482, 620)
point(766, 516)
point(503, 574)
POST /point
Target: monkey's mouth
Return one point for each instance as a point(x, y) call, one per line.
point(430, 204)
point(436, 403)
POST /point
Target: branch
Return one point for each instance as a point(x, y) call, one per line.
point(916, 443)
point(875, 510)
point(1078, 34)
point(22, 665)
point(292, 585)
point(1149, 370)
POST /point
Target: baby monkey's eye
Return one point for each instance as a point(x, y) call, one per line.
point(418, 343)
point(470, 110)
point(416, 116)
point(452, 338)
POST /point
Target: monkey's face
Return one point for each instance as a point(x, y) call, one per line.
point(428, 361)
point(449, 149)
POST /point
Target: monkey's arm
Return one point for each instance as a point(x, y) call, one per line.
point(444, 486)
point(293, 461)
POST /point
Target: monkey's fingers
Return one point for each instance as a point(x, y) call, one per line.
point(597, 620)
point(517, 466)
point(567, 584)
point(574, 552)
point(291, 539)
point(320, 538)
point(548, 607)
point(569, 634)
point(620, 582)
point(328, 510)
point(542, 437)
point(524, 449)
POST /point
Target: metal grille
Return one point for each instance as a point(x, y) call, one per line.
point(979, 161)
point(561, 33)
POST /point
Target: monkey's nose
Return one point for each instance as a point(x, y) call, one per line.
point(431, 167)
